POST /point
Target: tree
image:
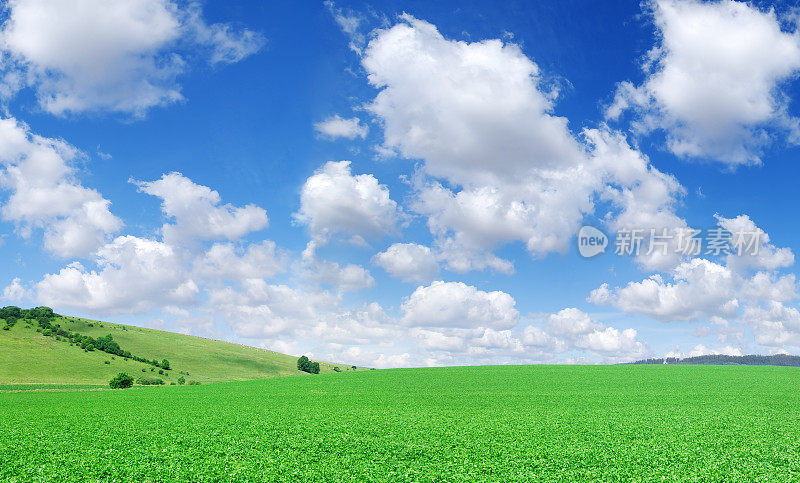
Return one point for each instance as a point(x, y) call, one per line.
point(181, 380)
point(121, 381)
point(165, 364)
point(306, 365)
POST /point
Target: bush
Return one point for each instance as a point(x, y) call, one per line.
point(165, 364)
point(353, 367)
point(150, 381)
point(336, 369)
point(47, 332)
point(194, 383)
point(107, 362)
point(144, 370)
point(121, 381)
point(6, 327)
point(161, 371)
point(306, 365)
point(181, 380)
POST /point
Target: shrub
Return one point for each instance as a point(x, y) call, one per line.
point(353, 367)
point(6, 327)
point(165, 364)
point(107, 362)
point(181, 380)
point(336, 369)
point(161, 371)
point(121, 381)
point(150, 381)
point(47, 332)
point(171, 383)
point(194, 383)
point(144, 370)
point(306, 365)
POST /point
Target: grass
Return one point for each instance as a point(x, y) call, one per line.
point(28, 357)
point(502, 423)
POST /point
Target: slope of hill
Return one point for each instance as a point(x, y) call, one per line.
point(29, 357)
point(723, 360)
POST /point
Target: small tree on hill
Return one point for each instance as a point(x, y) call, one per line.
point(306, 365)
point(121, 381)
point(165, 364)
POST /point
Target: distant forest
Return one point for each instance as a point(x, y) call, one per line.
point(722, 360)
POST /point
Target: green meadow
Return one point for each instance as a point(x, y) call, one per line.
point(501, 423)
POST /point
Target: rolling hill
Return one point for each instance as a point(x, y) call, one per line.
point(28, 357)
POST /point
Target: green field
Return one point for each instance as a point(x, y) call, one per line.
point(28, 357)
point(459, 424)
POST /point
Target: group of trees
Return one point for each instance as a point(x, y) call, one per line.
point(44, 317)
point(306, 365)
point(722, 360)
point(11, 314)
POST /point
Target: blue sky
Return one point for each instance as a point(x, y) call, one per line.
point(179, 165)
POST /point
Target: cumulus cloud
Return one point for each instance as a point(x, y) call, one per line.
point(198, 212)
point(134, 275)
point(409, 262)
point(498, 165)
point(348, 278)
point(15, 292)
point(714, 79)
point(333, 201)
point(93, 55)
point(226, 261)
point(335, 127)
point(703, 288)
point(40, 175)
point(456, 304)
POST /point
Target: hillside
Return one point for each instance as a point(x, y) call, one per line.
point(28, 357)
point(785, 360)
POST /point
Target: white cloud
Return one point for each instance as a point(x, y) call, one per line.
point(409, 262)
point(714, 79)
point(333, 201)
point(94, 55)
point(197, 211)
point(455, 304)
point(703, 288)
point(15, 292)
point(229, 262)
point(498, 165)
point(570, 322)
point(746, 238)
point(40, 173)
point(135, 275)
point(335, 127)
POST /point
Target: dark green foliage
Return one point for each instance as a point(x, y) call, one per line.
point(181, 380)
point(353, 367)
point(306, 365)
point(144, 370)
point(165, 364)
point(150, 381)
point(723, 360)
point(121, 381)
point(336, 369)
point(161, 371)
point(6, 327)
point(194, 383)
point(107, 362)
